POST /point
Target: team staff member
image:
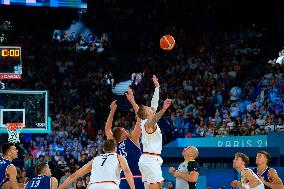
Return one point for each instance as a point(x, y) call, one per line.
point(188, 171)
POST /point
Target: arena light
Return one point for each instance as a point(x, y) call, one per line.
point(279, 59)
point(5, 26)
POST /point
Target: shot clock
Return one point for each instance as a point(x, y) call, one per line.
point(10, 62)
point(10, 52)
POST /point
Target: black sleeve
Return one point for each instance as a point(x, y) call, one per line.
point(193, 166)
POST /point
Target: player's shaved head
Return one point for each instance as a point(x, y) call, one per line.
point(190, 152)
point(195, 151)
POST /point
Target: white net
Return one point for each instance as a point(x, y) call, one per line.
point(14, 130)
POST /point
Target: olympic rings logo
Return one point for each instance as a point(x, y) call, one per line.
point(40, 124)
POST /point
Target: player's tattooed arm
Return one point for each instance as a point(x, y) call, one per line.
point(152, 121)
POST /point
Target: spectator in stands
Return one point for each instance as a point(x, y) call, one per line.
point(235, 93)
point(63, 178)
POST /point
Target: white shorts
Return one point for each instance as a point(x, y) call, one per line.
point(150, 168)
point(104, 186)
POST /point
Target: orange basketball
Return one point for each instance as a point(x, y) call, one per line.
point(167, 42)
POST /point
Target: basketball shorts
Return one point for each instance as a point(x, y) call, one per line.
point(104, 186)
point(137, 181)
point(150, 168)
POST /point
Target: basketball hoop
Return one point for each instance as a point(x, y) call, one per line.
point(14, 130)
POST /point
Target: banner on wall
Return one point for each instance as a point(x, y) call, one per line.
point(232, 141)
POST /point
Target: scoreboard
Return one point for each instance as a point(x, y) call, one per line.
point(10, 62)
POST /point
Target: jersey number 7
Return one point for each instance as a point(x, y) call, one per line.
point(104, 160)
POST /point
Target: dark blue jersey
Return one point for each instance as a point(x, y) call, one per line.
point(39, 182)
point(132, 153)
point(264, 175)
point(4, 164)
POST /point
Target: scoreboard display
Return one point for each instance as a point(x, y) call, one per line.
point(10, 62)
point(79, 4)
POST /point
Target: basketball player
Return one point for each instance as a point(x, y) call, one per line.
point(249, 180)
point(127, 144)
point(8, 172)
point(43, 180)
point(267, 175)
point(105, 170)
point(188, 171)
point(150, 161)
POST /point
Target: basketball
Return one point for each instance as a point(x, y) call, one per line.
point(167, 42)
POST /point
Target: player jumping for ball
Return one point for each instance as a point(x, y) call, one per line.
point(150, 161)
point(127, 143)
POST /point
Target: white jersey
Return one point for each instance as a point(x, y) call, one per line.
point(152, 143)
point(246, 185)
point(105, 167)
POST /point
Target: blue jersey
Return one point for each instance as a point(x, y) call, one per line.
point(264, 175)
point(132, 153)
point(39, 182)
point(4, 164)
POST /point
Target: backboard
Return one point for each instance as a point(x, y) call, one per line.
point(27, 107)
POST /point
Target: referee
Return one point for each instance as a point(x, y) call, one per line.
point(188, 171)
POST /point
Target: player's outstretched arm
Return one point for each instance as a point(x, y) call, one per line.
point(276, 181)
point(109, 121)
point(127, 172)
point(155, 98)
point(81, 172)
point(151, 123)
point(54, 183)
point(130, 97)
point(136, 132)
point(12, 172)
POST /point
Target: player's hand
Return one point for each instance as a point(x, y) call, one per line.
point(167, 104)
point(129, 95)
point(172, 170)
point(138, 119)
point(155, 81)
point(235, 184)
point(176, 174)
point(113, 105)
